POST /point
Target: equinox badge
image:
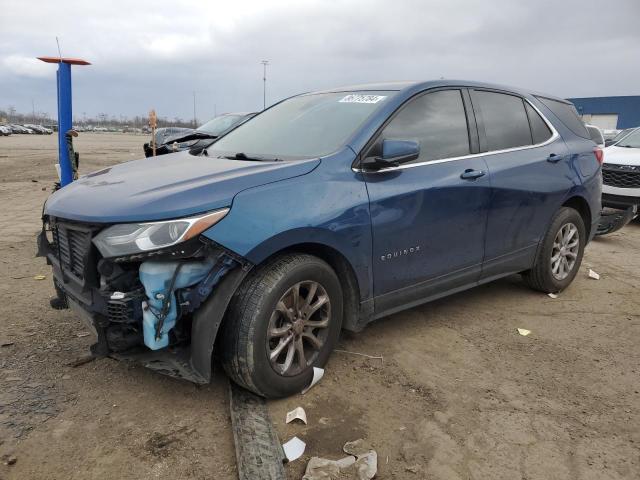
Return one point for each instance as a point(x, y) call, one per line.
point(400, 253)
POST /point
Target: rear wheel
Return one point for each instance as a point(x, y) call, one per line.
point(560, 253)
point(284, 320)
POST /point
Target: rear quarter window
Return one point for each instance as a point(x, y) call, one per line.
point(567, 114)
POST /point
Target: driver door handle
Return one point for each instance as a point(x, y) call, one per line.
point(553, 158)
point(470, 174)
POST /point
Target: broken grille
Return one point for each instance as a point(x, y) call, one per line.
point(71, 246)
point(620, 177)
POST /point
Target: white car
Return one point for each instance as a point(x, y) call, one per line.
point(621, 172)
point(620, 183)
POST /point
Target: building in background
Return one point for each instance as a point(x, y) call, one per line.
point(609, 113)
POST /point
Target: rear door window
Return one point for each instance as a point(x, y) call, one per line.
point(567, 114)
point(437, 121)
point(539, 128)
point(505, 120)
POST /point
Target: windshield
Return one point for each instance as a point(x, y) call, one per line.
point(305, 126)
point(218, 125)
point(630, 141)
point(622, 134)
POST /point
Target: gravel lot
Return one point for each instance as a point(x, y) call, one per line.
point(459, 394)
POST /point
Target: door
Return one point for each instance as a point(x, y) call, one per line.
point(530, 175)
point(428, 216)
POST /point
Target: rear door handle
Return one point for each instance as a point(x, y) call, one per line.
point(553, 158)
point(470, 174)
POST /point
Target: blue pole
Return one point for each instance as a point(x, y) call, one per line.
point(65, 118)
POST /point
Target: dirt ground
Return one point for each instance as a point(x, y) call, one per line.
point(459, 393)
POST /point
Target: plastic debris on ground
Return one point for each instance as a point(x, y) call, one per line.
point(293, 449)
point(39, 277)
point(552, 295)
point(318, 373)
point(297, 414)
point(524, 332)
point(594, 275)
point(361, 464)
point(324, 469)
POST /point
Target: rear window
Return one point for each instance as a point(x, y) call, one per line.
point(505, 120)
point(567, 114)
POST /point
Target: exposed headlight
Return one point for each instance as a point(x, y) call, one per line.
point(130, 238)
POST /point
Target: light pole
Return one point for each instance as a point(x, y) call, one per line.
point(264, 83)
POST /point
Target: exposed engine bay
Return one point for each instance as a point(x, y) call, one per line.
point(144, 307)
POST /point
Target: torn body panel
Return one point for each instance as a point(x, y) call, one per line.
point(161, 310)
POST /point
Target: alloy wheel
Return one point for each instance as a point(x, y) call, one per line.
point(565, 251)
point(298, 327)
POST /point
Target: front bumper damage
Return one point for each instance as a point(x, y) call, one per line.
point(177, 314)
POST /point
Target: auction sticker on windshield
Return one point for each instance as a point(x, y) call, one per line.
point(355, 98)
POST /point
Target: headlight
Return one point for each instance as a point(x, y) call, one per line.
point(131, 238)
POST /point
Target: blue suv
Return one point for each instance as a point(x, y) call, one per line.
point(324, 212)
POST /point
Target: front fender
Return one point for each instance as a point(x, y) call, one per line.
point(328, 206)
point(207, 320)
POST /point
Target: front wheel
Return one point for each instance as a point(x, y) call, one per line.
point(560, 253)
point(284, 320)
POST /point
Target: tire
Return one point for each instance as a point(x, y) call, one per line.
point(542, 276)
point(265, 303)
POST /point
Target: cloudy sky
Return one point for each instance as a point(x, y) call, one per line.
point(148, 54)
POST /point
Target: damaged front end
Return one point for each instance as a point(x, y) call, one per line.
point(147, 299)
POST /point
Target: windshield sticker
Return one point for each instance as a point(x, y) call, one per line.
point(353, 98)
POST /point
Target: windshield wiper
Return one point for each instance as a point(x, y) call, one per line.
point(253, 158)
point(201, 134)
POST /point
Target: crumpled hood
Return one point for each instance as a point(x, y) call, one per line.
point(164, 187)
point(622, 155)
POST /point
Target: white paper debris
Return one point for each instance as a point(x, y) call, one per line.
point(524, 332)
point(297, 414)
point(594, 275)
point(552, 295)
point(325, 469)
point(366, 458)
point(367, 465)
point(294, 449)
point(318, 373)
point(346, 461)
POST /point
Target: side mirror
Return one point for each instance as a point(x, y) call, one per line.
point(394, 152)
point(608, 142)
